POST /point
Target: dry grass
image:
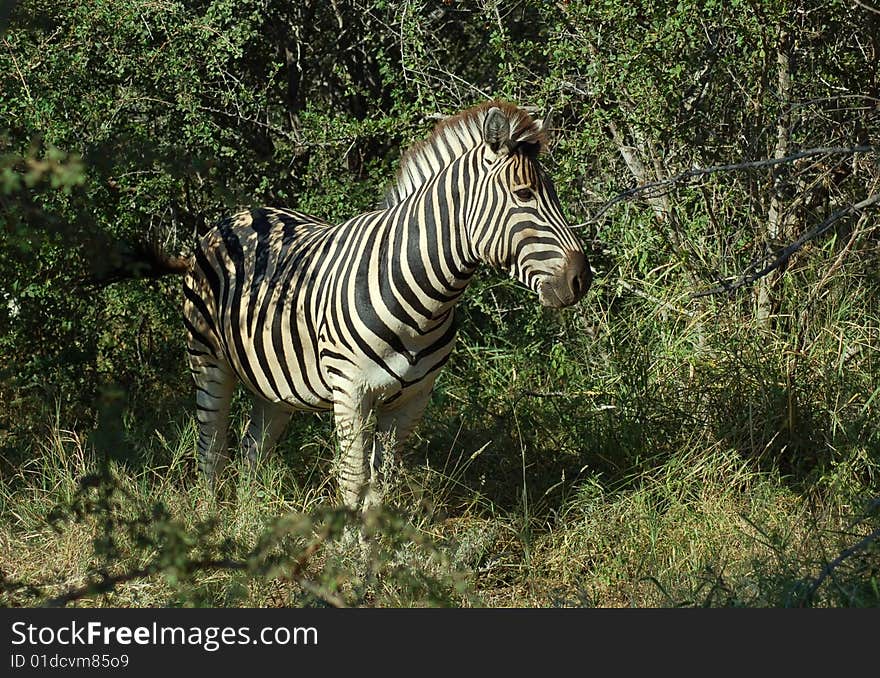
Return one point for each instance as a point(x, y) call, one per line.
point(703, 529)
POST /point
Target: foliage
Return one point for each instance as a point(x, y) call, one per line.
point(558, 446)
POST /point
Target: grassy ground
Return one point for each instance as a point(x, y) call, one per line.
point(644, 448)
point(703, 528)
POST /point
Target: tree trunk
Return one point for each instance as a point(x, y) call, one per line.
point(778, 221)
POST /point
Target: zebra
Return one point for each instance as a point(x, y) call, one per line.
point(358, 317)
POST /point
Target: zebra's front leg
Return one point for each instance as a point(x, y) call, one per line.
point(267, 423)
point(354, 431)
point(394, 424)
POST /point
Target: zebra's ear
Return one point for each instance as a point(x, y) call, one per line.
point(496, 129)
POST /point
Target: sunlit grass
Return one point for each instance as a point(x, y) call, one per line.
point(703, 528)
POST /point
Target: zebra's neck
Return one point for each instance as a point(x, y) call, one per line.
point(431, 259)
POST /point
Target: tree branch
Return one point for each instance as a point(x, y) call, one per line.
point(635, 191)
point(108, 583)
point(867, 6)
point(834, 564)
point(751, 274)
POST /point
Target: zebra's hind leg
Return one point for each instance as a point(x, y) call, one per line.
point(215, 383)
point(267, 423)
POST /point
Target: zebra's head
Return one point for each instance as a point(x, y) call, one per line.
point(517, 224)
point(480, 169)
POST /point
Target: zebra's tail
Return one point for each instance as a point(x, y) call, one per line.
point(132, 261)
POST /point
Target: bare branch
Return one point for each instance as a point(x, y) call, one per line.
point(27, 90)
point(834, 564)
point(654, 300)
point(108, 582)
point(635, 191)
point(751, 274)
point(867, 6)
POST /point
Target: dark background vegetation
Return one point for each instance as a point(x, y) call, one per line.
point(563, 452)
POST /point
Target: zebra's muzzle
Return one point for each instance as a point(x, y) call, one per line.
point(569, 285)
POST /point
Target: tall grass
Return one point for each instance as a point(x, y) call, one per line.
point(704, 526)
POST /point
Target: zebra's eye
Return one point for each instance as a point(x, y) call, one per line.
point(524, 194)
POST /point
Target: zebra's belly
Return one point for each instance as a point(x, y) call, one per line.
point(303, 381)
point(285, 373)
point(296, 394)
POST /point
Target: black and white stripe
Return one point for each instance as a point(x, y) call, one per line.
point(358, 317)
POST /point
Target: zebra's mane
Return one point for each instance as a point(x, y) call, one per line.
point(454, 136)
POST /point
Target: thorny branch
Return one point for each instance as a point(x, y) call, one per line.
point(834, 564)
point(108, 582)
point(772, 262)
